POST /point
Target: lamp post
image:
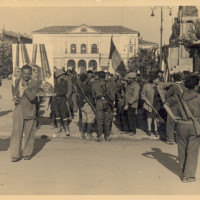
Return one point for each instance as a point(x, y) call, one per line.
point(161, 24)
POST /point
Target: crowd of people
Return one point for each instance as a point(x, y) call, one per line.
point(99, 97)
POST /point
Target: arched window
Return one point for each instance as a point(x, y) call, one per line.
point(73, 48)
point(92, 65)
point(71, 64)
point(83, 48)
point(94, 48)
point(81, 66)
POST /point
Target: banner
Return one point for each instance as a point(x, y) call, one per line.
point(40, 58)
point(117, 62)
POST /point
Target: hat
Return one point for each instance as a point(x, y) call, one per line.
point(59, 72)
point(101, 74)
point(131, 75)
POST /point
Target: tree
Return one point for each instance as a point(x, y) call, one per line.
point(145, 61)
point(5, 58)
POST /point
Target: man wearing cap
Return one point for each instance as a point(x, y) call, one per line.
point(104, 97)
point(24, 117)
point(131, 102)
point(175, 89)
point(86, 106)
point(59, 102)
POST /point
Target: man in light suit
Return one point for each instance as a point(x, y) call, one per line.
point(24, 116)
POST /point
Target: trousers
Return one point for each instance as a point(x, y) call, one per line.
point(20, 126)
point(188, 149)
point(129, 119)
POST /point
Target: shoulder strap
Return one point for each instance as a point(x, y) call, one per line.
point(181, 90)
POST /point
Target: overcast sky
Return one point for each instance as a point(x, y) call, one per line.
point(26, 20)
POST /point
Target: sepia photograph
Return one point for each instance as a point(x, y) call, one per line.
point(99, 97)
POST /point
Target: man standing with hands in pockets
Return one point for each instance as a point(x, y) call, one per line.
point(24, 116)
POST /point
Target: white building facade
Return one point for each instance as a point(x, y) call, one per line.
point(87, 47)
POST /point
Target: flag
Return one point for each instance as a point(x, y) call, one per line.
point(117, 63)
point(165, 58)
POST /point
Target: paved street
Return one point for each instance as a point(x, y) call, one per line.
point(137, 165)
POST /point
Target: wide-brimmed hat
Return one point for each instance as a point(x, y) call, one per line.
point(130, 76)
point(59, 72)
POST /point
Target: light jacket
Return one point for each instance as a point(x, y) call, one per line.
point(28, 103)
point(132, 94)
point(147, 94)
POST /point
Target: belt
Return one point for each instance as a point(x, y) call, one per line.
point(60, 96)
point(184, 122)
point(98, 98)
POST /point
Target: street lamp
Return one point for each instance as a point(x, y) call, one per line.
point(161, 26)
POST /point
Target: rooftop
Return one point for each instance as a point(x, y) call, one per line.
point(100, 29)
point(144, 42)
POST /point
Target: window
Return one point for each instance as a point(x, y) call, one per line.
point(73, 48)
point(83, 48)
point(83, 29)
point(71, 64)
point(65, 50)
point(94, 48)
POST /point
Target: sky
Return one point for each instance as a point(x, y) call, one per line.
point(28, 19)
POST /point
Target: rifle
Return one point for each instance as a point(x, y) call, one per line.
point(190, 116)
point(86, 98)
point(161, 120)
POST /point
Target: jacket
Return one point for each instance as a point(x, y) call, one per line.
point(147, 94)
point(132, 94)
point(28, 99)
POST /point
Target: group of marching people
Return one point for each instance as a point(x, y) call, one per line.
point(99, 95)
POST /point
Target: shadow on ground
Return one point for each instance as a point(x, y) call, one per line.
point(39, 145)
point(2, 113)
point(167, 160)
point(4, 144)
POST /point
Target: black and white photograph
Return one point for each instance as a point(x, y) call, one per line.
point(99, 97)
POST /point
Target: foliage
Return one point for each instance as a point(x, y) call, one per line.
point(145, 61)
point(5, 58)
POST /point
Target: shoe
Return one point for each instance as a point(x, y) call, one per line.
point(27, 157)
point(99, 139)
point(66, 128)
point(188, 179)
point(192, 179)
point(82, 136)
point(15, 159)
point(169, 142)
point(89, 137)
point(67, 133)
point(108, 138)
point(156, 134)
point(149, 133)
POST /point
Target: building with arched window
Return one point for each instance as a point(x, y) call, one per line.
point(87, 47)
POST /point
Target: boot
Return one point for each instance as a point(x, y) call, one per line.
point(66, 127)
point(99, 132)
point(89, 131)
point(83, 131)
point(59, 128)
point(107, 135)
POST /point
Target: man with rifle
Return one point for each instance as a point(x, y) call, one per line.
point(104, 98)
point(84, 94)
point(188, 128)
